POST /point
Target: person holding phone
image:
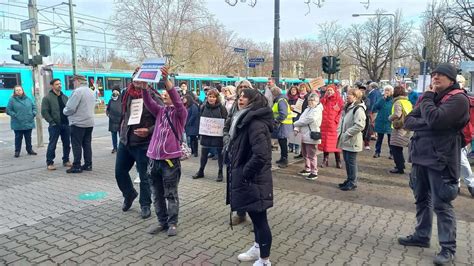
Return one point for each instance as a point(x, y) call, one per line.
point(134, 140)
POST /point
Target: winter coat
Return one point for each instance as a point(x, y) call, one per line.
point(374, 96)
point(80, 107)
point(213, 111)
point(383, 108)
point(281, 131)
point(114, 112)
point(192, 121)
point(350, 128)
point(164, 144)
point(50, 109)
point(311, 118)
point(333, 108)
point(147, 120)
point(22, 111)
point(400, 137)
point(413, 97)
point(250, 184)
point(437, 127)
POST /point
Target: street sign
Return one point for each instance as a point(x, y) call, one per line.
point(403, 71)
point(239, 50)
point(257, 60)
point(28, 24)
point(467, 66)
point(252, 65)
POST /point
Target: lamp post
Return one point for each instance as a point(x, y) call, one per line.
point(392, 59)
point(105, 39)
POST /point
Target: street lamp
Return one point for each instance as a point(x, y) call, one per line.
point(392, 65)
point(105, 39)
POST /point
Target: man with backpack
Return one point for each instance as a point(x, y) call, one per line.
point(437, 123)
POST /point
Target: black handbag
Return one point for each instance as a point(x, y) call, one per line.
point(314, 135)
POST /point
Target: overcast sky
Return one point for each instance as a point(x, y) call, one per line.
point(252, 23)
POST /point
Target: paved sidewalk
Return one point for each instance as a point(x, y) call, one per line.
point(42, 221)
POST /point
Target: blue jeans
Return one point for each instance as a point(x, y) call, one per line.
point(114, 139)
point(19, 134)
point(350, 159)
point(54, 133)
point(126, 157)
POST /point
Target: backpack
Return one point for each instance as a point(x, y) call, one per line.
point(367, 118)
point(469, 127)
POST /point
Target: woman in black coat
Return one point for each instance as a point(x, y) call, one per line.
point(192, 123)
point(212, 108)
point(114, 112)
point(250, 186)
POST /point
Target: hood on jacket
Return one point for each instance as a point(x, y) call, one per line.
point(263, 114)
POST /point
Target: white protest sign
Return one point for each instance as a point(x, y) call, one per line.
point(150, 70)
point(136, 110)
point(298, 107)
point(211, 126)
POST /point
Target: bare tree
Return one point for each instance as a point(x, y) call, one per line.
point(158, 28)
point(456, 20)
point(332, 37)
point(371, 43)
point(301, 57)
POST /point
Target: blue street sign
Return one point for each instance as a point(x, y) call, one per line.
point(403, 71)
point(257, 60)
point(239, 50)
point(252, 65)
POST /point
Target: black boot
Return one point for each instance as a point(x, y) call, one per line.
point(445, 257)
point(325, 162)
point(199, 174)
point(17, 154)
point(220, 176)
point(283, 163)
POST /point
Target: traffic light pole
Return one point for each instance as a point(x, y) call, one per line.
point(73, 38)
point(276, 44)
point(37, 90)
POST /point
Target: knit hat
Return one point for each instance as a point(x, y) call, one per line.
point(446, 69)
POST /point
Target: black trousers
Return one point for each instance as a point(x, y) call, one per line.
point(19, 134)
point(283, 147)
point(398, 158)
point(193, 144)
point(204, 157)
point(81, 140)
point(263, 235)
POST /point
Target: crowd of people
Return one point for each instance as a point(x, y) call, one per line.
point(246, 125)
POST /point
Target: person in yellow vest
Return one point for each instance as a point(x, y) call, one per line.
point(282, 124)
point(400, 136)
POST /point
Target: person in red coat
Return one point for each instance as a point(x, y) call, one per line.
point(333, 106)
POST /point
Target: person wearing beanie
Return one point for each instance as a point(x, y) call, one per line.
point(437, 122)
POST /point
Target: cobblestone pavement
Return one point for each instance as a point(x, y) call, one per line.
point(42, 221)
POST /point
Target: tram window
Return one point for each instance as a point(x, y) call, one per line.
point(9, 80)
point(100, 85)
point(69, 83)
point(111, 82)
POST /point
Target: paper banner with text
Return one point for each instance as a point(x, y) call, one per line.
point(317, 83)
point(211, 126)
point(298, 107)
point(150, 70)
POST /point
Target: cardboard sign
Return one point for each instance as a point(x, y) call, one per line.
point(298, 107)
point(211, 126)
point(317, 83)
point(136, 110)
point(150, 71)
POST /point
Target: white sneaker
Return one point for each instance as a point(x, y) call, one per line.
point(137, 180)
point(251, 255)
point(261, 262)
point(367, 148)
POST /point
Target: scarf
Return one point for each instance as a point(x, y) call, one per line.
point(236, 119)
point(132, 92)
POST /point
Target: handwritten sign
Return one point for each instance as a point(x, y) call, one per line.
point(211, 127)
point(317, 83)
point(298, 107)
point(150, 71)
point(136, 110)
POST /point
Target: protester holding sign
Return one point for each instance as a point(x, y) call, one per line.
point(164, 151)
point(134, 140)
point(211, 130)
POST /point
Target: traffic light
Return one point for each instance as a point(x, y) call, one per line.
point(21, 47)
point(336, 64)
point(326, 62)
point(44, 45)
